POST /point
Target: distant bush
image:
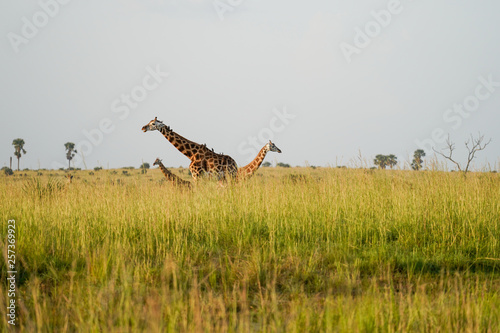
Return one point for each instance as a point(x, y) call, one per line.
point(266, 164)
point(129, 168)
point(91, 173)
point(283, 165)
point(8, 171)
point(97, 168)
point(144, 166)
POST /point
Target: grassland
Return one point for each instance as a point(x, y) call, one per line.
point(291, 250)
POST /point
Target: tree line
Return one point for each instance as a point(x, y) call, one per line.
point(384, 161)
point(473, 145)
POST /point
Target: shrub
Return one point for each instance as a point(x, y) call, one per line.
point(8, 171)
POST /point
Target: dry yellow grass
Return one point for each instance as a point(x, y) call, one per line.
point(295, 249)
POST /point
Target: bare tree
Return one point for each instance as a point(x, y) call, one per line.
point(473, 145)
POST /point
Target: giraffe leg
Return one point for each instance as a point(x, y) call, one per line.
point(195, 171)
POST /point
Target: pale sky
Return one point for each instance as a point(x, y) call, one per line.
point(324, 80)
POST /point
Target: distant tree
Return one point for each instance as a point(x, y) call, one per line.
point(144, 167)
point(70, 152)
point(18, 149)
point(417, 162)
point(266, 164)
point(97, 168)
point(473, 145)
point(384, 161)
point(392, 160)
point(381, 161)
point(283, 165)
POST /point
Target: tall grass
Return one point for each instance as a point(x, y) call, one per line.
point(290, 250)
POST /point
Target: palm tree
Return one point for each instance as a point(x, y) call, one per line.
point(70, 152)
point(392, 160)
point(19, 148)
point(417, 159)
point(381, 161)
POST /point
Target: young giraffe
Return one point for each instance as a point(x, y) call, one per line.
point(202, 158)
point(248, 170)
point(176, 181)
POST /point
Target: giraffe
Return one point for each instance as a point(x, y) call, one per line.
point(248, 170)
point(176, 181)
point(202, 158)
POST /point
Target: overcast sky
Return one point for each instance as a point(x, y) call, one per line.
point(324, 80)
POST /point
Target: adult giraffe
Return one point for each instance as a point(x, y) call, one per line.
point(202, 158)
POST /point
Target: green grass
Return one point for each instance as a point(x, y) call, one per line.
point(291, 250)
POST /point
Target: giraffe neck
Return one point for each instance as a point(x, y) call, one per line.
point(251, 167)
point(173, 178)
point(165, 171)
point(185, 146)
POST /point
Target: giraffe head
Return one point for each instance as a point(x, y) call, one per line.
point(157, 161)
point(153, 125)
point(272, 147)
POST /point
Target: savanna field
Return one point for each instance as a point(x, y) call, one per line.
point(290, 250)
